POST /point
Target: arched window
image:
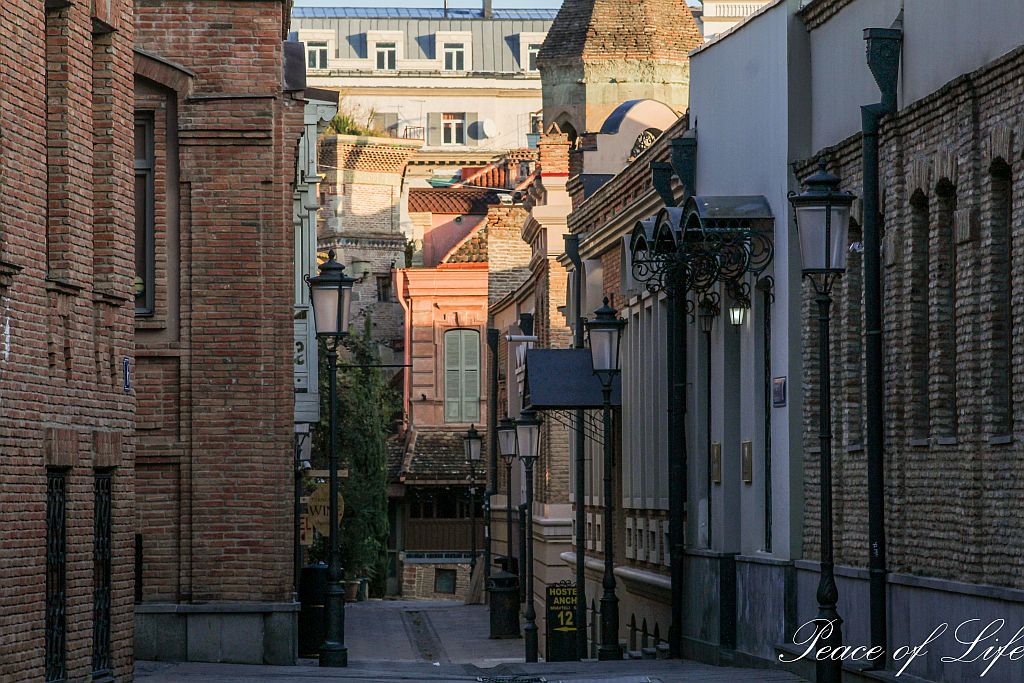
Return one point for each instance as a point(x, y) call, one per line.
point(461, 376)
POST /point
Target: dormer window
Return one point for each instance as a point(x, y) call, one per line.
point(316, 54)
point(386, 56)
point(454, 56)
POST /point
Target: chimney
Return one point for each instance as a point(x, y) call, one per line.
point(488, 9)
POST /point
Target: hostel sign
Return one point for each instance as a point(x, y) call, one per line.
point(561, 622)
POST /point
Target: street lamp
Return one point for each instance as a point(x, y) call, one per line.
point(528, 440)
point(604, 332)
point(507, 449)
point(331, 295)
point(708, 312)
point(737, 314)
point(472, 443)
point(823, 220)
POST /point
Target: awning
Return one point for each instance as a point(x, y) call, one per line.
point(564, 379)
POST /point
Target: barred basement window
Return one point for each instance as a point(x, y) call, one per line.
point(102, 539)
point(1002, 304)
point(56, 575)
point(145, 166)
point(444, 581)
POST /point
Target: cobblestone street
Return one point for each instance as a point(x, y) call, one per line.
point(443, 641)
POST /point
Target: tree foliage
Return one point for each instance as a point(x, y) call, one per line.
point(366, 405)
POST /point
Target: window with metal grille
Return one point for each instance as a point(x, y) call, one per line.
point(461, 376)
point(384, 288)
point(101, 551)
point(56, 575)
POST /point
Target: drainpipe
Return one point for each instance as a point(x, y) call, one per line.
point(572, 250)
point(883, 57)
point(684, 163)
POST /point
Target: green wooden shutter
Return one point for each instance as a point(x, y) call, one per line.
point(470, 376)
point(434, 129)
point(453, 376)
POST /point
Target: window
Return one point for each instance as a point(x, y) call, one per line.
point(383, 288)
point(531, 56)
point(387, 56)
point(316, 55)
point(453, 128)
point(461, 376)
point(56, 575)
point(144, 215)
point(444, 581)
point(943, 353)
point(454, 57)
point(102, 536)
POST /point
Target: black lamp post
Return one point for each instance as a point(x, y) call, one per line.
point(472, 442)
point(605, 332)
point(528, 441)
point(331, 295)
point(823, 221)
point(507, 449)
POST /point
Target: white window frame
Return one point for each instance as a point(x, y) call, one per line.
point(319, 53)
point(443, 38)
point(532, 53)
point(452, 125)
point(385, 50)
point(525, 41)
point(319, 36)
point(457, 53)
point(377, 38)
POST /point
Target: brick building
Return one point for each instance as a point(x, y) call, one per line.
point(216, 133)
point(67, 502)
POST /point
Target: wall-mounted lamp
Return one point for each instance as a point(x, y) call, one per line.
point(737, 314)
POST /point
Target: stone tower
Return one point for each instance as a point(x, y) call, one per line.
point(601, 53)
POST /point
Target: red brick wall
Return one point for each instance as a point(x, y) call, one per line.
point(215, 410)
point(65, 318)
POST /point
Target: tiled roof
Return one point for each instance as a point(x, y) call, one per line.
point(439, 456)
point(420, 13)
point(622, 29)
point(451, 200)
point(396, 453)
point(473, 249)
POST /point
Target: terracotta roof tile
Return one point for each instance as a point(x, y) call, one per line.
point(451, 200)
point(471, 250)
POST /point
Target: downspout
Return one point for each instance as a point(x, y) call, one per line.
point(492, 449)
point(883, 58)
point(684, 163)
point(572, 250)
